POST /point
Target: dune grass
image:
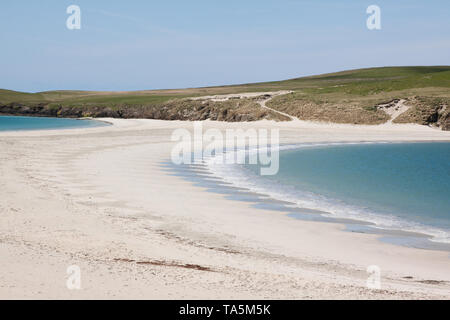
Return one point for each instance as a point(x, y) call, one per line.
point(352, 96)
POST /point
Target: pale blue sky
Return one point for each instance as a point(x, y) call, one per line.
point(131, 45)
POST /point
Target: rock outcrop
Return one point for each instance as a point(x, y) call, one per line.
point(431, 111)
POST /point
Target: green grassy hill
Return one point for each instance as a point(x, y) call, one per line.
point(346, 97)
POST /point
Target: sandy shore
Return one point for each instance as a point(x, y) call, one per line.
point(99, 199)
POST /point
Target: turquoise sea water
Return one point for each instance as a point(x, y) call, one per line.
point(12, 123)
point(395, 186)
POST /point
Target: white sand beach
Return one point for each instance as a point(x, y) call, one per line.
point(99, 199)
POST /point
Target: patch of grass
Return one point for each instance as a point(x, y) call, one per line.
point(113, 100)
point(8, 96)
point(329, 109)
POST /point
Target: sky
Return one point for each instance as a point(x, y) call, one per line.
point(138, 44)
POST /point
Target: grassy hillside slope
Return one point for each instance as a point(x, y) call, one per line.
point(343, 97)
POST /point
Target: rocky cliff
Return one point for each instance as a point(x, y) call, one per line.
point(183, 109)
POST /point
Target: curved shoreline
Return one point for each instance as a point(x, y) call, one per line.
point(98, 198)
point(417, 236)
